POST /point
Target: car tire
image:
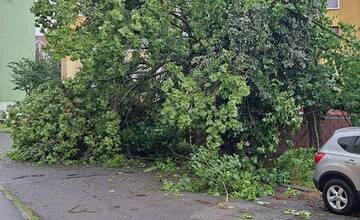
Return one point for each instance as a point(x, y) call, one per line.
point(339, 197)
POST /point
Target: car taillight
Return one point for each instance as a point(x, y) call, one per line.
point(318, 156)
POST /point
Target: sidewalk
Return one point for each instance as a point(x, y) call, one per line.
point(7, 210)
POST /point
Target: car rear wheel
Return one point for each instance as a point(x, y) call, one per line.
point(338, 196)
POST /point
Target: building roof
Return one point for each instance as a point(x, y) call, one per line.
point(40, 40)
point(336, 113)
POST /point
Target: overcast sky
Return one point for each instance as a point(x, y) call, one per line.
point(37, 32)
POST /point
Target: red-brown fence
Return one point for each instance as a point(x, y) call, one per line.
point(328, 125)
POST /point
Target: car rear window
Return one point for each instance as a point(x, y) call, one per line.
point(350, 144)
point(356, 147)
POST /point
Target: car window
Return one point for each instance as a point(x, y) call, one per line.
point(347, 143)
point(356, 147)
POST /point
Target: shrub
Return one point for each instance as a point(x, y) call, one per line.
point(49, 126)
point(167, 166)
point(117, 161)
point(244, 177)
point(216, 175)
point(295, 167)
point(148, 137)
point(240, 176)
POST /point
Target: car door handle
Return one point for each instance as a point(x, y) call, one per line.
point(350, 161)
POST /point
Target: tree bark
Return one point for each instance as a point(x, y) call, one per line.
point(312, 119)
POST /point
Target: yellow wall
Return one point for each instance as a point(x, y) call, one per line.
point(69, 68)
point(348, 12)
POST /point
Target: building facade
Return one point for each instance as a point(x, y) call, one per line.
point(347, 11)
point(70, 67)
point(17, 40)
point(40, 43)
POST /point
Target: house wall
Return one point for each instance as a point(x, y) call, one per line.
point(69, 67)
point(17, 40)
point(349, 12)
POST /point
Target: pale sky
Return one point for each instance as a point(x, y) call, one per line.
point(37, 32)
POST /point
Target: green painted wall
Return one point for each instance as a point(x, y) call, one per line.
point(17, 40)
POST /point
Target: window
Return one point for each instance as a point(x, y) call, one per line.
point(350, 144)
point(356, 147)
point(333, 4)
point(346, 142)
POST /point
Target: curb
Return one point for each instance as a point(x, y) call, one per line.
point(302, 189)
point(24, 210)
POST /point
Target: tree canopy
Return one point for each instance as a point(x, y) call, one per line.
point(212, 81)
point(235, 71)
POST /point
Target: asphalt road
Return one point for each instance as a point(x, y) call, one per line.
point(92, 193)
point(7, 210)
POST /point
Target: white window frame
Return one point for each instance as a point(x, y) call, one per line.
point(338, 5)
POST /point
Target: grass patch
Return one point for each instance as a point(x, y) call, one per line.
point(26, 212)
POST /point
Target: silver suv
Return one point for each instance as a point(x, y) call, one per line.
point(337, 172)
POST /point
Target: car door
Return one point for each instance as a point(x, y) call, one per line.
point(352, 160)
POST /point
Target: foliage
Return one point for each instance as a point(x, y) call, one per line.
point(347, 67)
point(50, 126)
point(242, 177)
point(118, 161)
point(30, 74)
point(289, 192)
point(220, 77)
point(166, 166)
point(170, 186)
point(3, 128)
point(295, 167)
point(246, 216)
point(304, 214)
point(229, 95)
point(233, 175)
point(237, 174)
point(355, 120)
point(191, 63)
point(148, 138)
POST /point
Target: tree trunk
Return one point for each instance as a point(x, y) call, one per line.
point(312, 119)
